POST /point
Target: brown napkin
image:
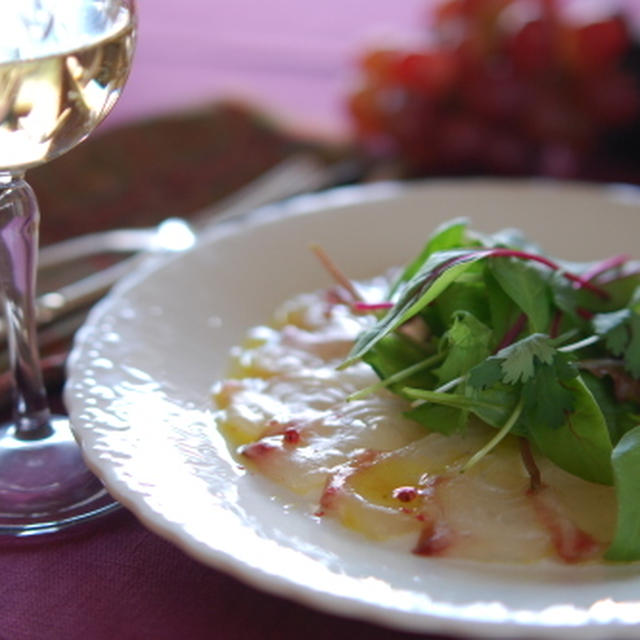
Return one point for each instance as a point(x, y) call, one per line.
point(139, 174)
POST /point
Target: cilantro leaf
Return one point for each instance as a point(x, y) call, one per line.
point(486, 374)
point(489, 378)
point(467, 343)
point(535, 367)
point(515, 363)
point(519, 358)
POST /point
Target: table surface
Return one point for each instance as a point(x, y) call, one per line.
point(294, 60)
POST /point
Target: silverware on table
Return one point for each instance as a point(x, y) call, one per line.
point(69, 302)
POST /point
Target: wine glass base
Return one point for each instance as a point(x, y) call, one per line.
point(45, 485)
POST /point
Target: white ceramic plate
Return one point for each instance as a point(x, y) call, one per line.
point(142, 368)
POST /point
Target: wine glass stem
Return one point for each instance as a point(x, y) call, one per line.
point(19, 220)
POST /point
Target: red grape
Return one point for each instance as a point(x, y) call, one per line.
point(505, 86)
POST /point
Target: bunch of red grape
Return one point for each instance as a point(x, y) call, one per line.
point(504, 87)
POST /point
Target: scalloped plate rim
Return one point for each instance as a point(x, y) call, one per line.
point(284, 585)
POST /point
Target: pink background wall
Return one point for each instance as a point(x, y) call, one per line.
point(294, 58)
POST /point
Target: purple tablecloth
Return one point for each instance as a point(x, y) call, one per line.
point(119, 581)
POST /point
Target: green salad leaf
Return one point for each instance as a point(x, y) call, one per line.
point(626, 470)
point(438, 272)
point(621, 333)
point(527, 285)
point(581, 444)
point(535, 347)
point(464, 344)
point(450, 235)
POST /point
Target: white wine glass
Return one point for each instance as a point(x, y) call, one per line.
point(63, 64)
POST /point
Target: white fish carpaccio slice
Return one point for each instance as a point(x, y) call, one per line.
point(285, 413)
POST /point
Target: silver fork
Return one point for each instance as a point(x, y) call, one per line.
point(295, 175)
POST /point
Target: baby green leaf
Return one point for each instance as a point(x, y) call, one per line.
point(632, 355)
point(625, 460)
point(395, 353)
point(502, 310)
point(546, 400)
point(467, 293)
point(527, 285)
point(621, 332)
point(495, 404)
point(440, 418)
point(613, 328)
point(581, 445)
point(619, 415)
point(434, 277)
point(450, 235)
point(399, 361)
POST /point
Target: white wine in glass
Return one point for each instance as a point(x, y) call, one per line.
point(63, 64)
